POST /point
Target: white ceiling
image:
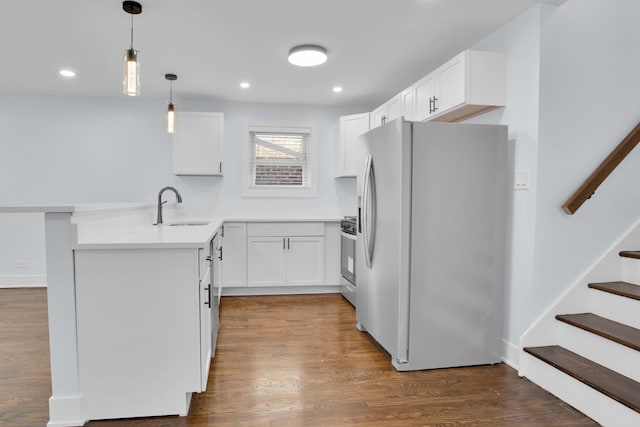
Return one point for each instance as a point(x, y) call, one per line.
point(376, 47)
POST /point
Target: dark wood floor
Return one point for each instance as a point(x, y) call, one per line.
point(289, 361)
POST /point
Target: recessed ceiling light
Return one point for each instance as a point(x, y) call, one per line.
point(245, 85)
point(307, 55)
point(337, 89)
point(67, 73)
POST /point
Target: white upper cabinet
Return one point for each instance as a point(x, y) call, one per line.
point(349, 149)
point(392, 109)
point(471, 83)
point(197, 143)
point(407, 103)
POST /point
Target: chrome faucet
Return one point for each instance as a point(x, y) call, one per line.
point(160, 202)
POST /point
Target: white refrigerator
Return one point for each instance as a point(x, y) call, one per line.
point(432, 220)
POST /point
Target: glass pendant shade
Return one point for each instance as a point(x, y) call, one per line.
point(131, 79)
point(171, 118)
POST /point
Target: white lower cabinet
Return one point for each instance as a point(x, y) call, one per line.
point(294, 259)
point(285, 261)
point(305, 260)
point(266, 258)
point(146, 324)
point(234, 255)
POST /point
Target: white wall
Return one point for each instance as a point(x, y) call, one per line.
point(74, 150)
point(573, 91)
point(589, 101)
point(520, 42)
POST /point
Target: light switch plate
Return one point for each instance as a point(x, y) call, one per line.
point(521, 180)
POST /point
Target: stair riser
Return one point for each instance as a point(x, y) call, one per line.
point(619, 358)
point(615, 307)
point(592, 403)
point(630, 270)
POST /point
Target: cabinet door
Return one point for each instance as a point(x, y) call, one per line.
point(305, 261)
point(234, 255)
point(394, 108)
point(452, 84)
point(217, 260)
point(206, 296)
point(407, 104)
point(378, 116)
point(424, 90)
point(266, 261)
point(350, 149)
point(197, 144)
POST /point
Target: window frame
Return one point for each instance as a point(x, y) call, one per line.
point(248, 162)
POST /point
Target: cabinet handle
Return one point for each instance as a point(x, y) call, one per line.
point(434, 104)
point(384, 119)
point(208, 302)
point(220, 167)
point(209, 258)
point(220, 253)
point(431, 105)
point(283, 246)
point(288, 243)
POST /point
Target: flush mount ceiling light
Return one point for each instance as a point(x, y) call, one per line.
point(67, 73)
point(245, 85)
point(337, 89)
point(307, 55)
point(131, 77)
point(171, 110)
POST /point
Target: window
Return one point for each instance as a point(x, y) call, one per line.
point(281, 160)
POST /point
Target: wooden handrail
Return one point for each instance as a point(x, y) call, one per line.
point(586, 190)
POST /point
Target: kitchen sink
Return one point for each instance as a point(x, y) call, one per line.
point(180, 224)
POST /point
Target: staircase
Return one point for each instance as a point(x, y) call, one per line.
point(591, 358)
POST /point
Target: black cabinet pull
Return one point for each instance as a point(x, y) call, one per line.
point(208, 289)
point(288, 243)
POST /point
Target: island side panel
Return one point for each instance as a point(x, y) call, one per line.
point(138, 331)
point(65, 404)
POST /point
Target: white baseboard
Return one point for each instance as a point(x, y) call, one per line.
point(281, 290)
point(24, 281)
point(65, 411)
point(510, 354)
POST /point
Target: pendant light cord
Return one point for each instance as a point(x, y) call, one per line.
point(132, 31)
point(170, 91)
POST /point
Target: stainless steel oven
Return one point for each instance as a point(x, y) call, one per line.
point(348, 258)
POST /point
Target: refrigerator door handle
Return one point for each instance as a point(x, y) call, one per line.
point(372, 200)
point(369, 211)
point(365, 210)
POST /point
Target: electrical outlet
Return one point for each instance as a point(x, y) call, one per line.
point(22, 263)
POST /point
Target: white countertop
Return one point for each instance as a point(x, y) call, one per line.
point(73, 208)
point(146, 236)
point(130, 225)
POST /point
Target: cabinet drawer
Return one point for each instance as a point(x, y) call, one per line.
point(204, 263)
point(257, 229)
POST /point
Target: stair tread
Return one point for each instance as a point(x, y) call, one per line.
point(630, 254)
point(615, 331)
point(616, 386)
point(624, 289)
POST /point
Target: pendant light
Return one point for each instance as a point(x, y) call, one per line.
point(131, 77)
point(171, 110)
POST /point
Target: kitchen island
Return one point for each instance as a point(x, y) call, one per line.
point(129, 331)
point(133, 306)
